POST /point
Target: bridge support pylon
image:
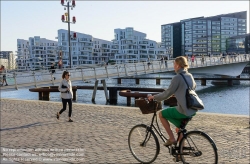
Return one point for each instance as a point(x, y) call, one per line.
point(113, 96)
point(95, 89)
point(226, 82)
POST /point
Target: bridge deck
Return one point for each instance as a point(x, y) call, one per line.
point(229, 67)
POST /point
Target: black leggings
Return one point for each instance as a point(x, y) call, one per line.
point(65, 101)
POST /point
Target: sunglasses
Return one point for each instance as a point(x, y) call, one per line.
point(68, 75)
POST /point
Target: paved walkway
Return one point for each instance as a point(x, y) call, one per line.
point(99, 134)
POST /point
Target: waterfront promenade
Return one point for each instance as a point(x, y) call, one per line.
point(99, 133)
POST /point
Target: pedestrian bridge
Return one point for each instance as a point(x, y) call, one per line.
point(229, 66)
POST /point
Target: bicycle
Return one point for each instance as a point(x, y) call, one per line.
point(194, 146)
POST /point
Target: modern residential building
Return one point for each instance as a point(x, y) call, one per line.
point(202, 35)
point(103, 51)
point(128, 46)
point(239, 44)
point(22, 54)
point(8, 59)
point(81, 47)
point(35, 53)
point(134, 47)
point(42, 52)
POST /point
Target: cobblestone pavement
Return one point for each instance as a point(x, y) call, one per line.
point(99, 134)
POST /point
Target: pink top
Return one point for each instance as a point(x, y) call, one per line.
point(192, 58)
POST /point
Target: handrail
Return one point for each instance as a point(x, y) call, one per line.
point(40, 77)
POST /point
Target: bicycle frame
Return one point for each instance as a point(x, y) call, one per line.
point(172, 149)
point(183, 150)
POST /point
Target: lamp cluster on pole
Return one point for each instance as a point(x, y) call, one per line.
point(66, 19)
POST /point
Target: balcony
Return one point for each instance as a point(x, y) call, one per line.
point(143, 42)
point(84, 40)
point(86, 49)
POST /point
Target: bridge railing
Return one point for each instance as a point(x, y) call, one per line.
point(40, 77)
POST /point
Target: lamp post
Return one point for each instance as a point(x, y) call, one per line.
point(67, 15)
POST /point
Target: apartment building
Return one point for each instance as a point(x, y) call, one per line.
point(202, 35)
point(8, 59)
point(134, 47)
point(22, 54)
point(81, 48)
point(42, 52)
point(128, 46)
point(35, 53)
point(103, 51)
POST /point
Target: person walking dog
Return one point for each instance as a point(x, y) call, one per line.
point(65, 88)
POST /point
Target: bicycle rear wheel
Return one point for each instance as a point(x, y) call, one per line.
point(143, 144)
point(198, 147)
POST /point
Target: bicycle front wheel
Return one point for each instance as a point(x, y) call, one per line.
point(143, 144)
point(198, 147)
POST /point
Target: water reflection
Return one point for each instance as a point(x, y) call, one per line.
point(217, 99)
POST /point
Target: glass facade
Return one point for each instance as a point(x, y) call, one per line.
point(238, 44)
point(203, 36)
point(167, 38)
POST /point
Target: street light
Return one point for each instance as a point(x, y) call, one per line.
point(67, 20)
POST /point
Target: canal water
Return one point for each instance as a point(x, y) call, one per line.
point(217, 99)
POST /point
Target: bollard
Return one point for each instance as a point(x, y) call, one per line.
point(137, 81)
point(158, 81)
point(203, 82)
point(113, 96)
point(119, 81)
point(128, 99)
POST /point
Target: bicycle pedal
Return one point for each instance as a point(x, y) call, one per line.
point(177, 159)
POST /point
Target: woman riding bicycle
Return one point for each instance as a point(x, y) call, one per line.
point(177, 87)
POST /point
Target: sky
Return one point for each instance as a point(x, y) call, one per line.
point(24, 19)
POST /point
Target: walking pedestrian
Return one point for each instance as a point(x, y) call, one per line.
point(1, 79)
point(60, 64)
point(65, 88)
point(52, 69)
point(149, 63)
point(192, 59)
point(4, 71)
point(202, 59)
